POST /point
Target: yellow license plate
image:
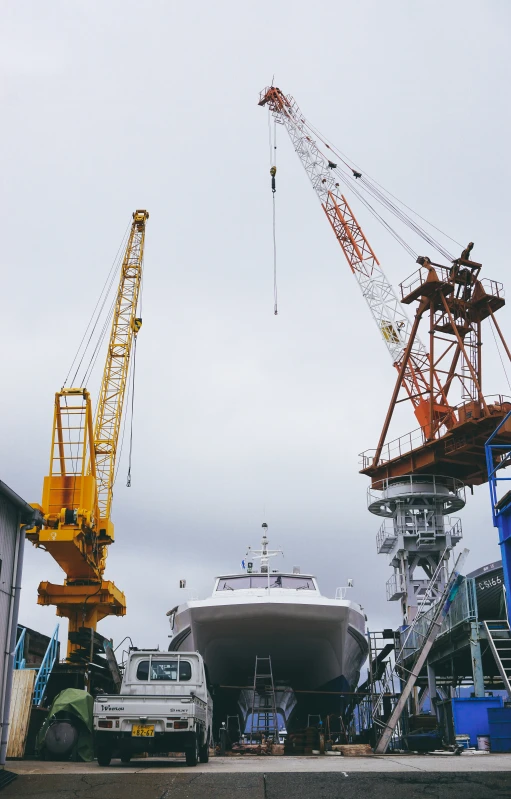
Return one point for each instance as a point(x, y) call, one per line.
point(143, 730)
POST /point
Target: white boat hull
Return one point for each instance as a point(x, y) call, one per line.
point(314, 643)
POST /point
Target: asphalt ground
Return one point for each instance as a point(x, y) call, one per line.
point(387, 777)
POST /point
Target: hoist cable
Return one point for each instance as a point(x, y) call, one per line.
point(346, 179)
point(379, 192)
point(128, 478)
point(380, 219)
point(270, 143)
point(356, 186)
point(405, 219)
point(352, 164)
point(500, 355)
point(109, 280)
point(275, 293)
point(273, 169)
point(99, 342)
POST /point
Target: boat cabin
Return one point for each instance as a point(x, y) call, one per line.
point(271, 580)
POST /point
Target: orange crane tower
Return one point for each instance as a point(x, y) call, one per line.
point(418, 480)
point(77, 492)
point(454, 301)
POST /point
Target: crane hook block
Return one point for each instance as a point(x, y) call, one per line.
point(273, 172)
point(136, 324)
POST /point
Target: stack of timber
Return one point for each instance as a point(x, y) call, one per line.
point(19, 712)
point(353, 750)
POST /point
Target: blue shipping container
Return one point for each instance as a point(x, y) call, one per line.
point(470, 715)
point(500, 729)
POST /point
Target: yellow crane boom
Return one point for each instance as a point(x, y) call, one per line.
point(77, 492)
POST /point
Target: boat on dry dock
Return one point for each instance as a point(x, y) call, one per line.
point(316, 644)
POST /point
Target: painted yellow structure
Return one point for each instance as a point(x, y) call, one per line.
point(77, 492)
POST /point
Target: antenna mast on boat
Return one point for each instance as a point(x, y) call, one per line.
point(263, 554)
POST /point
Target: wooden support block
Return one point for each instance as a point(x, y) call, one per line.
point(353, 750)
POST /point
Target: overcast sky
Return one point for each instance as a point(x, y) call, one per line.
point(241, 417)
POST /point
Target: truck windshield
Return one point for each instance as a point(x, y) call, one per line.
point(164, 670)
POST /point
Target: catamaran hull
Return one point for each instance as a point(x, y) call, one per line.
point(314, 646)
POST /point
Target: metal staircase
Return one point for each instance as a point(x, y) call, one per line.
point(499, 638)
point(264, 720)
point(44, 670)
point(409, 677)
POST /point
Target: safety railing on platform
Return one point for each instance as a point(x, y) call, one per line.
point(496, 403)
point(463, 609)
point(390, 529)
point(444, 274)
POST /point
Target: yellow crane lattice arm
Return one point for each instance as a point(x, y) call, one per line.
point(125, 326)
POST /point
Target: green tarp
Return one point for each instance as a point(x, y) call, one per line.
point(78, 704)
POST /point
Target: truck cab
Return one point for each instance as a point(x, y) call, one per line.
point(164, 706)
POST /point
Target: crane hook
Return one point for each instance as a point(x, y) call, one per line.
point(273, 172)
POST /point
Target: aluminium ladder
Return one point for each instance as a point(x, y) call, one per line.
point(264, 720)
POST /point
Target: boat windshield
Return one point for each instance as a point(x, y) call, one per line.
point(294, 582)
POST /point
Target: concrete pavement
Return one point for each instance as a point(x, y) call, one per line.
point(250, 777)
point(253, 764)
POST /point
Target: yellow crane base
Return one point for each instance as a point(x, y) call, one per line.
point(83, 605)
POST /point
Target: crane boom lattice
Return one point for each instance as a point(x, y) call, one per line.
point(125, 326)
point(77, 493)
point(385, 307)
point(453, 300)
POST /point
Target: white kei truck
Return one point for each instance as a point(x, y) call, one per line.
point(164, 706)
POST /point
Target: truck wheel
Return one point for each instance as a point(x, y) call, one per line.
point(204, 752)
point(192, 751)
point(104, 756)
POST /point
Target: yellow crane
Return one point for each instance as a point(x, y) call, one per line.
point(77, 492)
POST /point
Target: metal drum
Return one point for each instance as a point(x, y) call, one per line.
point(60, 738)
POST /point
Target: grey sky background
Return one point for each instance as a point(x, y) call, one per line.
point(240, 417)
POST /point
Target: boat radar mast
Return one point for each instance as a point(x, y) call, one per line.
point(263, 554)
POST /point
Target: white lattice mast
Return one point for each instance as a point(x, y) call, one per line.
point(386, 309)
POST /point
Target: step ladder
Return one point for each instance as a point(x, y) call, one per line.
point(264, 720)
point(499, 638)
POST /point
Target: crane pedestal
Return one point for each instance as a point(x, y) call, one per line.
point(418, 533)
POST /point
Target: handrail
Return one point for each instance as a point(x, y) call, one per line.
point(45, 668)
point(495, 652)
point(19, 660)
point(416, 437)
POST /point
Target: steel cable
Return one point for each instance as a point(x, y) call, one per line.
point(109, 279)
point(379, 192)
